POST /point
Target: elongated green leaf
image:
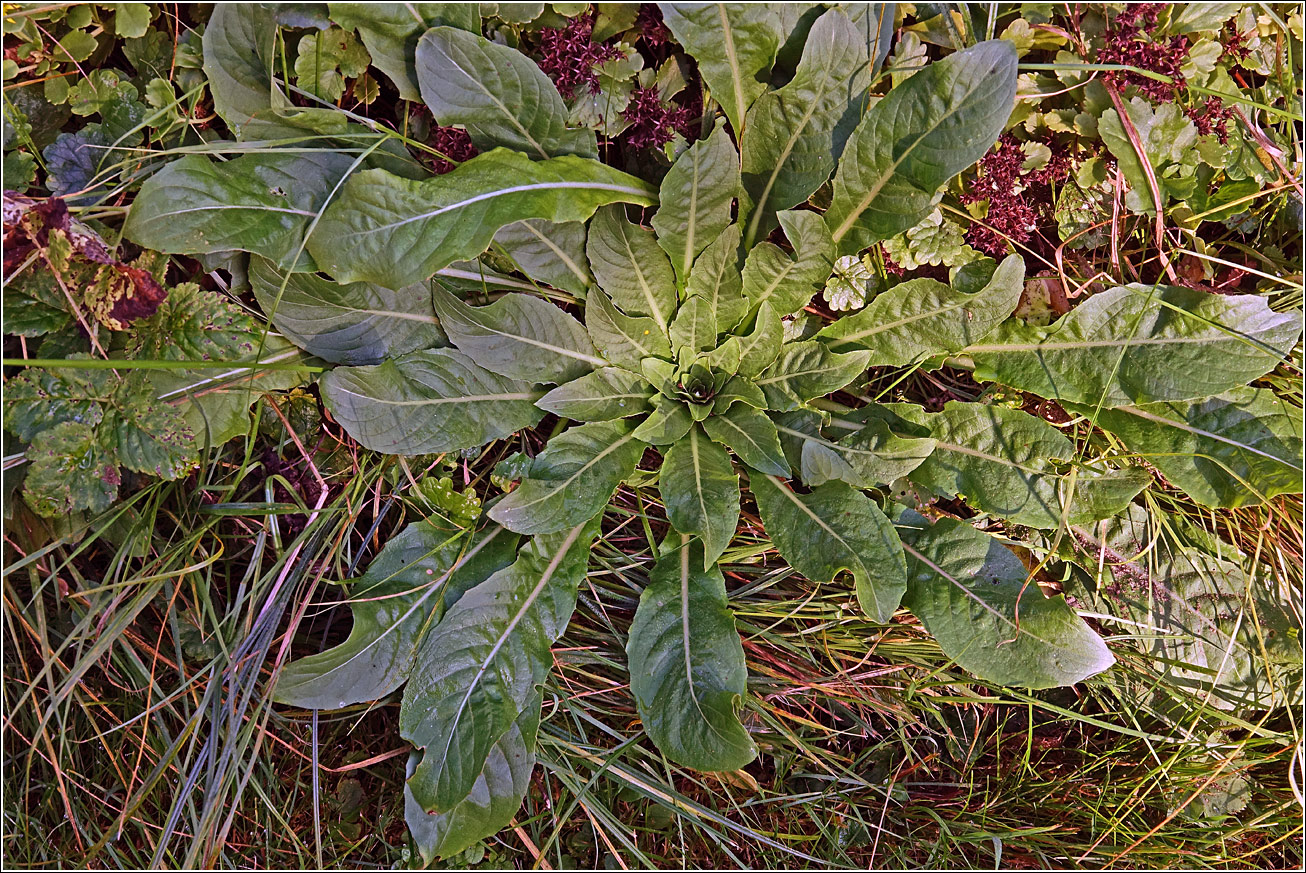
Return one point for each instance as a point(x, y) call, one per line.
point(1228, 638)
point(1003, 462)
point(922, 317)
point(603, 395)
point(433, 401)
point(666, 424)
point(694, 329)
point(418, 574)
point(734, 45)
point(715, 278)
point(1238, 448)
point(695, 199)
point(261, 203)
point(687, 669)
point(624, 340)
point(479, 670)
point(630, 267)
point(553, 254)
point(794, 135)
point(751, 436)
point(975, 597)
point(572, 480)
point(738, 389)
point(1142, 344)
point(519, 336)
point(761, 346)
point(359, 323)
point(391, 31)
point(835, 528)
point(498, 94)
point(788, 281)
point(876, 451)
point(925, 131)
point(701, 491)
point(238, 42)
point(394, 232)
point(495, 797)
point(805, 370)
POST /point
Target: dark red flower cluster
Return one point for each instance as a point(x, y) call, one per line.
point(454, 144)
point(650, 25)
point(569, 56)
point(1212, 116)
point(1126, 43)
point(1232, 42)
point(1017, 199)
point(652, 122)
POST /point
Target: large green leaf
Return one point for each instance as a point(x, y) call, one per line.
point(715, 278)
point(761, 346)
point(418, 574)
point(734, 44)
point(477, 672)
point(794, 135)
point(238, 44)
point(519, 336)
point(751, 435)
point(603, 395)
point(391, 31)
point(261, 203)
point(805, 370)
point(878, 450)
point(495, 797)
point(431, 401)
point(572, 480)
point(925, 131)
point(666, 424)
point(630, 267)
point(548, 252)
point(788, 281)
point(687, 669)
point(497, 93)
point(1230, 639)
point(700, 489)
point(393, 231)
point(359, 323)
point(976, 598)
point(922, 317)
point(1238, 448)
point(1142, 344)
point(694, 329)
point(623, 339)
point(1003, 462)
point(831, 529)
point(695, 199)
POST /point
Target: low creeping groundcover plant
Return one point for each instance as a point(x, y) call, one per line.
point(434, 301)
